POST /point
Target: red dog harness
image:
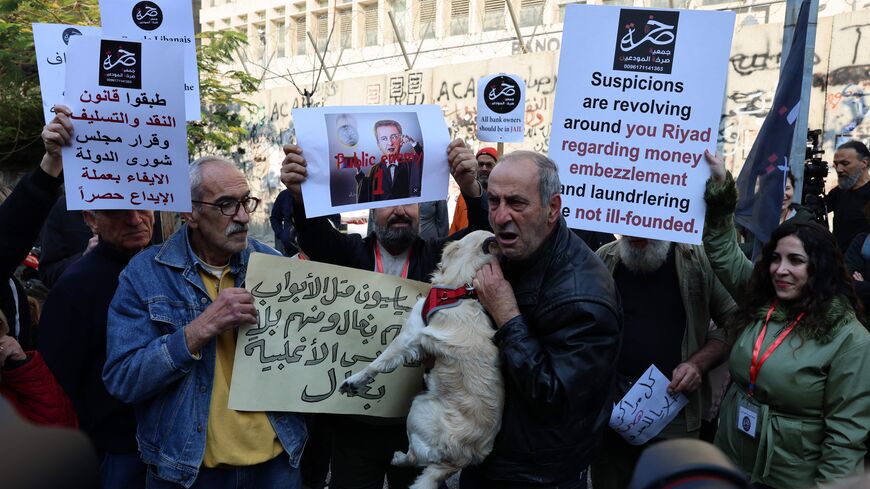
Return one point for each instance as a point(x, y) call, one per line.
point(442, 298)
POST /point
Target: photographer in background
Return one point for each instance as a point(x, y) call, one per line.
point(852, 194)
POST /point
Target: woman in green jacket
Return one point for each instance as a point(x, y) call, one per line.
point(798, 410)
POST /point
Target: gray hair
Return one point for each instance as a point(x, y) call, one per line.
point(195, 171)
point(548, 173)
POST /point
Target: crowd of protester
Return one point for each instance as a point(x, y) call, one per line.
point(134, 346)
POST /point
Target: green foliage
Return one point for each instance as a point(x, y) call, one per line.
point(222, 125)
point(21, 115)
point(21, 119)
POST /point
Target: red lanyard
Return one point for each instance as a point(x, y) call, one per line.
point(756, 364)
point(380, 264)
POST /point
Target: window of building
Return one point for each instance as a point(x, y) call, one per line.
point(371, 13)
point(301, 40)
point(322, 32)
point(241, 54)
point(280, 30)
point(426, 24)
point(531, 13)
point(400, 12)
point(345, 28)
point(493, 15)
point(258, 51)
point(458, 17)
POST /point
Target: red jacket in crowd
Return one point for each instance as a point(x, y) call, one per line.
point(36, 395)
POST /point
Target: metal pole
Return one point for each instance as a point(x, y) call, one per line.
point(799, 141)
point(319, 56)
point(516, 26)
point(399, 39)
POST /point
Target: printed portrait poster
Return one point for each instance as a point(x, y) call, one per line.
point(129, 141)
point(633, 117)
point(501, 105)
point(369, 157)
point(318, 324)
point(51, 41)
point(168, 21)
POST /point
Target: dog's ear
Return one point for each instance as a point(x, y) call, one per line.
point(450, 250)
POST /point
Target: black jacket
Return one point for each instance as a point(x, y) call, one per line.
point(849, 219)
point(377, 185)
point(558, 359)
point(281, 219)
point(322, 242)
point(21, 218)
point(73, 343)
point(64, 238)
point(855, 262)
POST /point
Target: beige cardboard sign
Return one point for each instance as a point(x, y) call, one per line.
point(319, 324)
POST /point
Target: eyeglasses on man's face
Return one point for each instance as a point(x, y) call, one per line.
point(229, 207)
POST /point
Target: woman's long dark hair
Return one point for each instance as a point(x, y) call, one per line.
point(827, 278)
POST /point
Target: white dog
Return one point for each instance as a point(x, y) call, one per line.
point(453, 424)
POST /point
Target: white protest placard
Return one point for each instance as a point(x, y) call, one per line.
point(647, 408)
point(169, 21)
point(633, 116)
point(129, 142)
point(317, 325)
point(51, 41)
point(369, 157)
point(501, 105)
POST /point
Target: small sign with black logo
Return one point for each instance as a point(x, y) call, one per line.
point(502, 94)
point(501, 103)
point(645, 41)
point(69, 31)
point(121, 64)
point(147, 15)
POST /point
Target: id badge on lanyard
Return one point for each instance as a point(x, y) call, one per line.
point(747, 416)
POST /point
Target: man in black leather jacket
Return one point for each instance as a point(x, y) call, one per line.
point(362, 446)
point(559, 324)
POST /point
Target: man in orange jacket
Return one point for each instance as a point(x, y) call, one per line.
point(486, 161)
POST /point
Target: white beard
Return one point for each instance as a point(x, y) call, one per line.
point(643, 260)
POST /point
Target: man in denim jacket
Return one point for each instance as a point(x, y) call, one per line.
point(171, 342)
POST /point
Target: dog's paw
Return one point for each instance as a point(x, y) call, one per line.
point(355, 383)
point(403, 459)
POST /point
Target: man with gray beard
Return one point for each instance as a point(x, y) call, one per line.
point(363, 446)
point(848, 200)
point(669, 294)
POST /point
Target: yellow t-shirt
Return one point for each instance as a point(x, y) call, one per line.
point(233, 438)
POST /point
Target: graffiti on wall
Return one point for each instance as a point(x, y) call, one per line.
point(840, 102)
point(847, 81)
